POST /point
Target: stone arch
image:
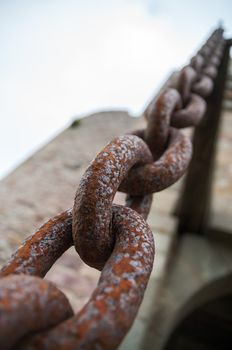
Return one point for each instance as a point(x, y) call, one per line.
point(205, 320)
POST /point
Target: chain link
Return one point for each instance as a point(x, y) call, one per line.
point(115, 239)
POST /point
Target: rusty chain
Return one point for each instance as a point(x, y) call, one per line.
point(115, 239)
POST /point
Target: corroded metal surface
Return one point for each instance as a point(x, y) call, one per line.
point(112, 238)
point(92, 234)
point(159, 116)
point(108, 315)
point(29, 304)
point(158, 175)
point(191, 114)
point(187, 77)
point(123, 281)
point(41, 250)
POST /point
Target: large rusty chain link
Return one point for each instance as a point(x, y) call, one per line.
point(34, 314)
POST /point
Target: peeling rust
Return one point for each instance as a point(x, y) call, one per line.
point(156, 176)
point(159, 116)
point(29, 304)
point(92, 211)
point(41, 250)
point(108, 315)
point(115, 239)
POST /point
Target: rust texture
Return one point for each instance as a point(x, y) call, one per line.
point(158, 175)
point(92, 211)
point(106, 318)
point(39, 251)
point(29, 304)
point(115, 239)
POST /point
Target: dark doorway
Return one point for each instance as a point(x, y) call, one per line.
point(207, 328)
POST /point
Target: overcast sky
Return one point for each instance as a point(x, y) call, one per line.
point(64, 58)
